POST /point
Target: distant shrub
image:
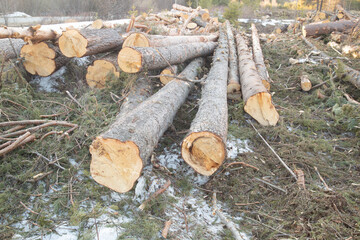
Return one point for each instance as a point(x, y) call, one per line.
point(221, 2)
point(206, 3)
point(233, 12)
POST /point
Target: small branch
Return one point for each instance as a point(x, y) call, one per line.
point(269, 227)
point(155, 194)
point(242, 163)
point(351, 100)
point(50, 162)
point(229, 224)
point(322, 180)
point(246, 204)
point(72, 98)
point(271, 185)
point(18, 142)
point(28, 208)
point(278, 157)
point(166, 228)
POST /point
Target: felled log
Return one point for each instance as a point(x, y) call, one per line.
point(315, 30)
point(191, 26)
point(10, 48)
point(204, 147)
point(101, 70)
point(342, 13)
point(204, 14)
point(338, 37)
point(42, 58)
point(136, 59)
point(171, 70)
point(353, 51)
point(99, 24)
point(233, 87)
point(352, 75)
point(257, 100)
point(33, 34)
point(259, 58)
point(80, 43)
point(188, 21)
point(182, 8)
point(305, 83)
point(145, 40)
point(119, 154)
point(199, 22)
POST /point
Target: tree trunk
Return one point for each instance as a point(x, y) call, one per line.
point(344, 13)
point(10, 48)
point(145, 40)
point(352, 75)
point(257, 100)
point(136, 59)
point(204, 147)
point(171, 70)
point(119, 154)
point(80, 43)
point(42, 58)
point(305, 83)
point(101, 70)
point(33, 34)
point(233, 87)
point(259, 58)
point(315, 30)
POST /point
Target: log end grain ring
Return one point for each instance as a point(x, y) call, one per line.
point(73, 44)
point(115, 164)
point(260, 107)
point(39, 59)
point(98, 73)
point(130, 60)
point(203, 151)
point(136, 40)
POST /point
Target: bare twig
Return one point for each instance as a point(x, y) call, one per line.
point(28, 208)
point(322, 180)
point(16, 143)
point(246, 204)
point(242, 163)
point(278, 157)
point(72, 98)
point(268, 226)
point(50, 162)
point(177, 77)
point(166, 228)
point(351, 100)
point(155, 194)
point(229, 224)
point(271, 185)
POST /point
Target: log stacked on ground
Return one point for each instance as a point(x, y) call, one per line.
point(233, 88)
point(259, 58)
point(101, 70)
point(119, 154)
point(33, 34)
point(315, 30)
point(10, 48)
point(204, 147)
point(257, 100)
point(352, 75)
point(79, 43)
point(42, 58)
point(305, 83)
point(145, 40)
point(136, 59)
point(171, 70)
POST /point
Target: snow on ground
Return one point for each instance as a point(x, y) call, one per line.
point(49, 84)
point(266, 22)
point(193, 212)
point(17, 14)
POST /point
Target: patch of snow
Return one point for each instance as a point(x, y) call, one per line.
point(17, 14)
point(82, 61)
point(49, 84)
point(266, 22)
point(73, 162)
point(234, 146)
point(140, 189)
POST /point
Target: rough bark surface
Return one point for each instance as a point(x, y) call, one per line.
point(351, 74)
point(10, 48)
point(204, 147)
point(42, 58)
point(119, 154)
point(233, 88)
point(315, 30)
point(259, 58)
point(101, 70)
point(144, 40)
point(79, 43)
point(257, 100)
point(136, 59)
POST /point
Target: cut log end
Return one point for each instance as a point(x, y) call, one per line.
point(168, 71)
point(97, 24)
point(305, 83)
point(39, 59)
point(233, 91)
point(303, 30)
point(99, 72)
point(136, 40)
point(115, 164)
point(203, 151)
point(191, 26)
point(266, 84)
point(260, 107)
point(73, 44)
point(130, 60)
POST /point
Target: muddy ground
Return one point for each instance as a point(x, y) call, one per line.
point(318, 133)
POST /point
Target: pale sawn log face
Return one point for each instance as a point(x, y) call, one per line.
point(173, 70)
point(85, 42)
point(136, 59)
point(134, 135)
point(257, 100)
point(204, 147)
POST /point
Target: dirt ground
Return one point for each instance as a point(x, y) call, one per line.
point(318, 134)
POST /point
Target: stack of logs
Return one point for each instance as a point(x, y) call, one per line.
point(120, 153)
